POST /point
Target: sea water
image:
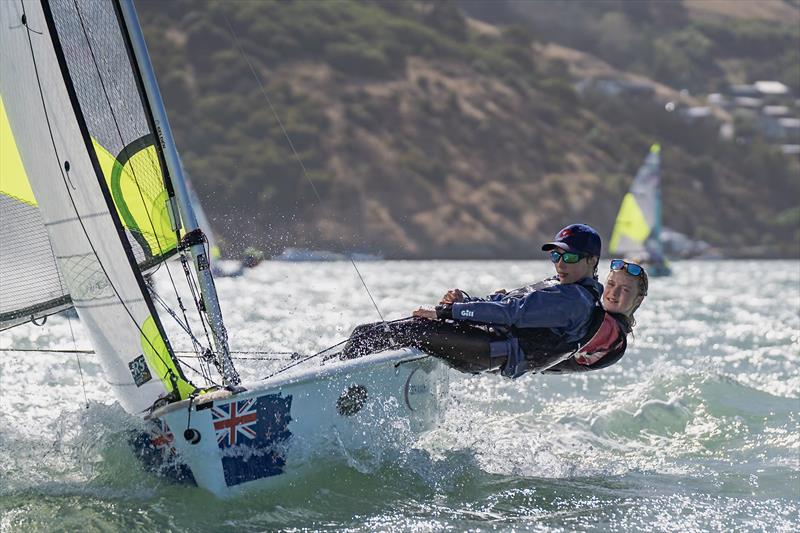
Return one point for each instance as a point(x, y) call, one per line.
point(696, 429)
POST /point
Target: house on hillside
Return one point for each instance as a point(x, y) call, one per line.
point(698, 115)
point(743, 91)
point(747, 105)
point(773, 92)
point(766, 108)
point(770, 92)
point(617, 87)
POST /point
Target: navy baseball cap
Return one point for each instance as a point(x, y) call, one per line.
point(577, 238)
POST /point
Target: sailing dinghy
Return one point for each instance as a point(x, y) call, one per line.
point(94, 200)
point(637, 229)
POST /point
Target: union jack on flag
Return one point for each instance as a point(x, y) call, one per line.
point(161, 436)
point(234, 420)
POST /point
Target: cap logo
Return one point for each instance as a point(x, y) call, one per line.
point(565, 233)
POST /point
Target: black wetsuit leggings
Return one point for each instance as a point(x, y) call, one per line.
point(465, 348)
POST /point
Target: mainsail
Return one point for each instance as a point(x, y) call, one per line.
point(87, 143)
point(637, 230)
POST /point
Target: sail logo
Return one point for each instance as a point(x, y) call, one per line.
point(160, 135)
point(88, 280)
point(139, 371)
point(252, 435)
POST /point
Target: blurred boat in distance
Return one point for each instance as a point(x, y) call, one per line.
point(308, 254)
point(637, 230)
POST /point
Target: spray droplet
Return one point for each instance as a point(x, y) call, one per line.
point(670, 106)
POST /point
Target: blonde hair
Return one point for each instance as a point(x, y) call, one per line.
point(643, 284)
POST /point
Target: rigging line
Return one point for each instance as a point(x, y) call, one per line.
point(239, 358)
point(201, 374)
point(195, 343)
point(72, 199)
point(78, 359)
point(329, 348)
point(184, 326)
point(126, 149)
point(364, 283)
point(301, 361)
point(179, 352)
point(263, 89)
point(269, 102)
point(196, 293)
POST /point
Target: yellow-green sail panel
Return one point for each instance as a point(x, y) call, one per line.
point(13, 180)
point(630, 224)
point(30, 283)
point(159, 360)
point(137, 188)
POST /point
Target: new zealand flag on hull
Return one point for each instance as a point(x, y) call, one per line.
point(252, 435)
point(156, 451)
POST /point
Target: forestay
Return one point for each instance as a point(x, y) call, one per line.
point(86, 143)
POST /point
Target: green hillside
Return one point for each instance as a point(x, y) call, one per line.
point(426, 134)
point(698, 45)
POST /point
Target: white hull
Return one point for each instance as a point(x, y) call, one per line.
point(265, 436)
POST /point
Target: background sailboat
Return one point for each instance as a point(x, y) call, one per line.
point(97, 185)
point(637, 229)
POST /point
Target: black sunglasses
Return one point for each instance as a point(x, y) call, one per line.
point(631, 268)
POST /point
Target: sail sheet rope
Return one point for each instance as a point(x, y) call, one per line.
point(263, 90)
point(296, 357)
point(278, 356)
point(78, 359)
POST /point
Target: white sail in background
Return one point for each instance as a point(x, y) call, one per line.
point(83, 135)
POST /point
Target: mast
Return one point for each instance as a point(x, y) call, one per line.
point(196, 243)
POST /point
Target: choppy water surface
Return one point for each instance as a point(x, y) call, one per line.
point(695, 430)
